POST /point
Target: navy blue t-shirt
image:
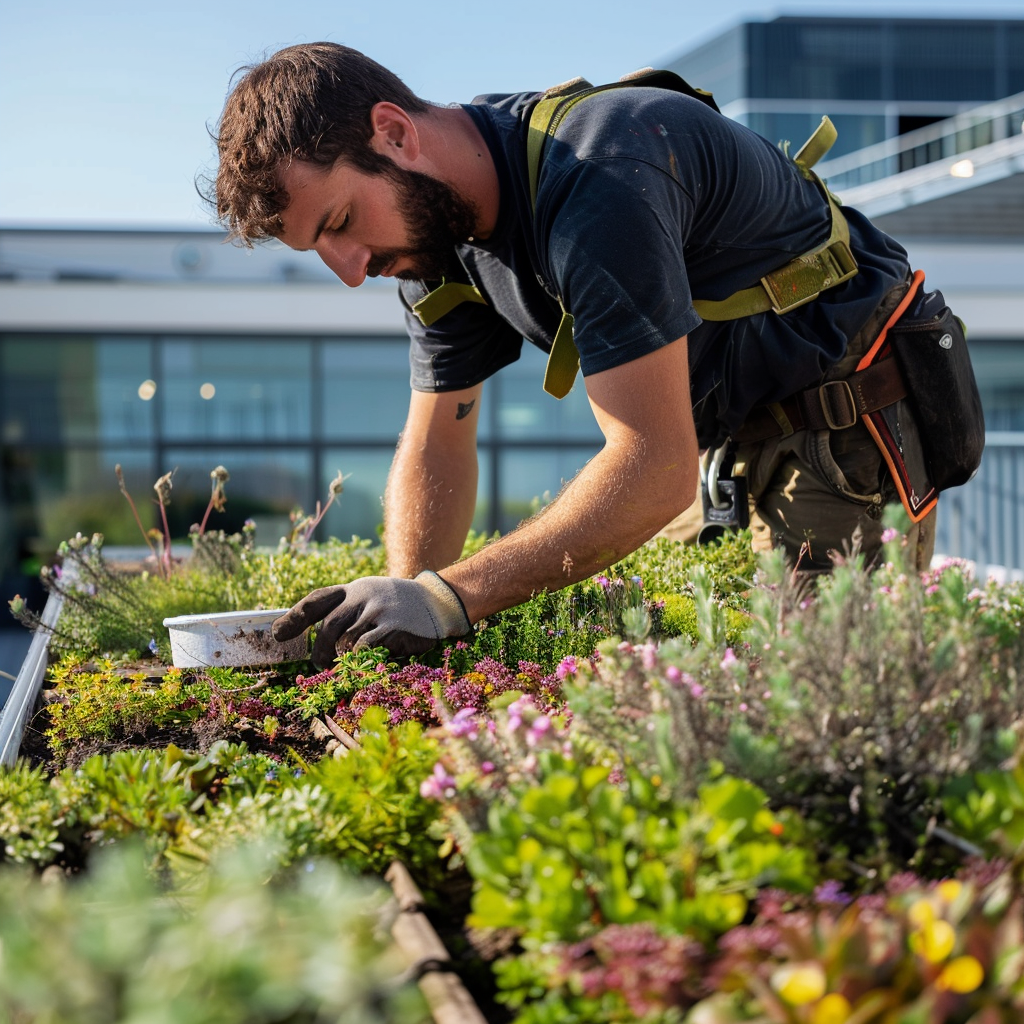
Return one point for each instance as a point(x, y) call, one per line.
point(646, 200)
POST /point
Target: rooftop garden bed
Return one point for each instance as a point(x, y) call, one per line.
point(690, 789)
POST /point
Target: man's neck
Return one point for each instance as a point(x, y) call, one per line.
point(454, 144)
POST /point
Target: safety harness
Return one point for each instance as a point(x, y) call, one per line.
point(799, 281)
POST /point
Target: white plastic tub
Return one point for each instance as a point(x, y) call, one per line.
point(231, 638)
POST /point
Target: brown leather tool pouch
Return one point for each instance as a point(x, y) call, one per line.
point(934, 437)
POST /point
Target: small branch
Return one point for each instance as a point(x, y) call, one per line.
point(135, 512)
point(349, 741)
point(955, 841)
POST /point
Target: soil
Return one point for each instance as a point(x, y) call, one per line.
point(298, 737)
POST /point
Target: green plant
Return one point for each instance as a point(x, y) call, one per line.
point(235, 950)
point(987, 808)
point(31, 816)
point(576, 850)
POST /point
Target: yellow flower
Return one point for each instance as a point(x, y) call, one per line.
point(964, 974)
point(921, 913)
point(949, 890)
point(833, 1009)
point(800, 983)
point(934, 941)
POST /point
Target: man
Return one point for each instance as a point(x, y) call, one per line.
point(647, 202)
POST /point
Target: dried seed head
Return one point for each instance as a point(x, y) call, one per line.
point(220, 475)
point(337, 485)
point(163, 489)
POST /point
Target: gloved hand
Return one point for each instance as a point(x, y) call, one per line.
point(406, 616)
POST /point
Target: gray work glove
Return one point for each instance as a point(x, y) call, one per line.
point(405, 616)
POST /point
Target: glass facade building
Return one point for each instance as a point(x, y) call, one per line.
point(163, 351)
point(284, 415)
point(874, 77)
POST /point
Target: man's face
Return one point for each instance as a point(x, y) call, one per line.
point(399, 223)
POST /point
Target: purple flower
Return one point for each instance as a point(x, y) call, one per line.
point(486, 767)
point(439, 786)
point(152, 646)
point(831, 891)
point(673, 675)
point(602, 581)
point(462, 723)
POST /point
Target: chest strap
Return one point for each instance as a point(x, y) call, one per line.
point(793, 285)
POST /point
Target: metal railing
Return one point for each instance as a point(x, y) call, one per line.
point(21, 702)
point(955, 136)
point(982, 521)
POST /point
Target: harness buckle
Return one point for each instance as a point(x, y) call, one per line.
point(838, 404)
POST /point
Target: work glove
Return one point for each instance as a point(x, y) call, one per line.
point(405, 616)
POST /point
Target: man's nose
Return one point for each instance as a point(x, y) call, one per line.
point(346, 259)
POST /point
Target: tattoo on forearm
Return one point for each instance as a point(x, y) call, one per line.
point(465, 408)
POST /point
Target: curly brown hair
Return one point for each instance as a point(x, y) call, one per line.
point(307, 102)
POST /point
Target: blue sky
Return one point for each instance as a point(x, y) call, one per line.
point(104, 106)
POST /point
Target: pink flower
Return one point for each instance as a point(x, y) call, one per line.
point(517, 711)
point(743, 707)
point(696, 690)
point(538, 728)
point(439, 786)
point(602, 581)
point(673, 675)
point(889, 534)
point(728, 660)
point(486, 767)
point(567, 667)
point(649, 656)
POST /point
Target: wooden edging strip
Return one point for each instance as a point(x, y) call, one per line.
point(414, 935)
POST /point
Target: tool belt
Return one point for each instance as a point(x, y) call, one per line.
point(915, 392)
point(834, 405)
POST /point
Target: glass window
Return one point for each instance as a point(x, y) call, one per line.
point(66, 390)
point(526, 411)
point(360, 510)
point(999, 369)
point(364, 388)
point(264, 486)
point(529, 479)
point(242, 390)
point(53, 493)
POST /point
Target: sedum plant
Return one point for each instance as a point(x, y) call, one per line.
point(305, 949)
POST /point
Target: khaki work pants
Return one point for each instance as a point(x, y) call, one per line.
point(809, 493)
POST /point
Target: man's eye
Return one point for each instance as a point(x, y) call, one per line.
point(343, 224)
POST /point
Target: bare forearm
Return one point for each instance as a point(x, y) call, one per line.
point(431, 492)
point(429, 508)
point(602, 515)
point(642, 478)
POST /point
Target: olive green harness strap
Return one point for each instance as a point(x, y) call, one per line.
point(806, 277)
point(444, 299)
point(800, 281)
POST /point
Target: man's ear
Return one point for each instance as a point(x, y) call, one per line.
point(394, 132)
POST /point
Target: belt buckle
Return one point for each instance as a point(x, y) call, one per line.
point(836, 398)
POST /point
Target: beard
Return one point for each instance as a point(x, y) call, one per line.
point(437, 219)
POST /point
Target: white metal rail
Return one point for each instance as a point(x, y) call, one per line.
point(957, 136)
